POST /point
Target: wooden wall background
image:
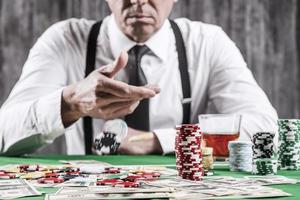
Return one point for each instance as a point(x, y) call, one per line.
point(266, 31)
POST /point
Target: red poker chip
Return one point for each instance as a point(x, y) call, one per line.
point(74, 173)
point(191, 146)
point(185, 166)
point(51, 175)
point(188, 141)
point(191, 174)
point(133, 178)
point(7, 176)
point(186, 162)
point(187, 133)
point(51, 180)
point(111, 170)
point(191, 169)
point(184, 135)
point(188, 130)
point(23, 168)
point(109, 182)
point(127, 184)
point(188, 150)
point(189, 158)
point(197, 162)
point(188, 153)
point(189, 161)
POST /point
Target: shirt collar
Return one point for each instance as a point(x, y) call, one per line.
point(120, 42)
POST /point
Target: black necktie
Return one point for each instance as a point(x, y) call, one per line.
point(139, 119)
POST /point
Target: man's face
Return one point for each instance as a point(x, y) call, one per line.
point(140, 19)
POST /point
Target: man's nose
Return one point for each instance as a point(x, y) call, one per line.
point(139, 2)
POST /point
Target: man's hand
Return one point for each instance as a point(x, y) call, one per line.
point(140, 143)
point(100, 96)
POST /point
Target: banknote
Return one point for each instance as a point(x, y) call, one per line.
point(15, 188)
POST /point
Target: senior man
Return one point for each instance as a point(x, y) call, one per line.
point(137, 65)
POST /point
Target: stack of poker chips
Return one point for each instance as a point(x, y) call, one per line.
point(289, 144)
point(188, 152)
point(240, 156)
point(208, 159)
point(264, 158)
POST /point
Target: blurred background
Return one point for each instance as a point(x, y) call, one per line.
point(266, 31)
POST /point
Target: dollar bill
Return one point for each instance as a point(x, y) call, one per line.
point(15, 188)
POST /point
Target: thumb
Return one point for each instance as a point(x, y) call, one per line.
point(112, 69)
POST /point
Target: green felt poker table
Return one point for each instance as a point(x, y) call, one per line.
point(220, 170)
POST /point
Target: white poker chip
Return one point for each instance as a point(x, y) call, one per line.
point(109, 140)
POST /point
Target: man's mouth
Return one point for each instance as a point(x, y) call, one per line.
point(142, 18)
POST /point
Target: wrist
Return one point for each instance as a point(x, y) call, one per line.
point(69, 111)
point(156, 144)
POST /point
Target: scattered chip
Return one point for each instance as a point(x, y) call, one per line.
point(50, 180)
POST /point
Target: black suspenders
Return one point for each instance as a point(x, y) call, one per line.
point(183, 68)
point(89, 67)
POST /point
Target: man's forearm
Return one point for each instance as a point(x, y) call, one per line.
point(22, 120)
point(69, 114)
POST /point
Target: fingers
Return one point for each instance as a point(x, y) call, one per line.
point(118, 109)
point(104, 99)
point(112, 69)
point(126, 110)
point(124, 90)
point(153, 87)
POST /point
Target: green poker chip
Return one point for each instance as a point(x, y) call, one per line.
point(289, 144)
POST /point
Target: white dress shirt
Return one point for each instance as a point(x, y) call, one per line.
point(218, 75)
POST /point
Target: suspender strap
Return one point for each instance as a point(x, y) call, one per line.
point(90, 66)
point(183, 68)
point(184, 74)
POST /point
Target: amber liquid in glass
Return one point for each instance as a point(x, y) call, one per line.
point(219, 142)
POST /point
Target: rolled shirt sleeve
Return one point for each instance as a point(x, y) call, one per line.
point(34, 105)
point(166, 138)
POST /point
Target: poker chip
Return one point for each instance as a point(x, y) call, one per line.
point(142, 176)
point(265, 166)
point(289, 144)
point(4, 175)
point(265, 159)
point(188, 152)
point(118, 183)
point(50, 180)
point(51, 175)
point(109, 140)
point(208, 160)
point(111, 182)
point(111, 170)
point(240, 156)
point(128, 184)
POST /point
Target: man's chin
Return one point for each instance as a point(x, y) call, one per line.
point(141, 33)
